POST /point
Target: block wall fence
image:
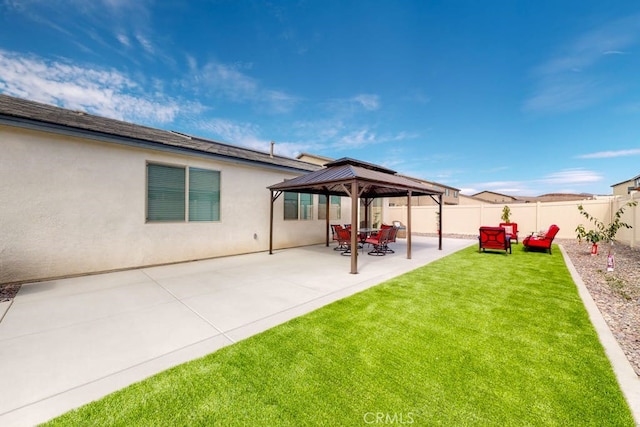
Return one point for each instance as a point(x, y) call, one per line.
point(530, 217)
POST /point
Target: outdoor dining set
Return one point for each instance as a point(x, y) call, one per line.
point(377, 239)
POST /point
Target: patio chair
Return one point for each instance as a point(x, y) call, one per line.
point(344, 240)
point(379, 241)
point(393, 232)
point(541, 241)
point(334, 234)
point(494, 238)
point(512, 230)
point(343, 237)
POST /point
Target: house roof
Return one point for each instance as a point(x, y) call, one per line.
point(626, 180)
point(30, 114)
point(493, 192)
point(373, 181)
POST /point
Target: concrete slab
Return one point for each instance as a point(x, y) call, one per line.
point(64, 343)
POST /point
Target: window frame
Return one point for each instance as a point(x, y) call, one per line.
point(322, 201)
point(299, 206)
point(189, 196)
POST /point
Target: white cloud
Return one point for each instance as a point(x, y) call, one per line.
point(611, 154)
point(145, 43)
point(572, 176)
point(368, 101)
point(104, 92)
point(123, 39)
point(356, 139)
point(570, 80)
point(229, 81)
point(248, 135)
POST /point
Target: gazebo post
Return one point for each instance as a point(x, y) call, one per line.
point(409, 224)
point(328, 212)
point(273, 200)
point(271, 225)
point(440, 224)
point(354, 226)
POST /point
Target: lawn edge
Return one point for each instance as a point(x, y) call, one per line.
point(627, 379)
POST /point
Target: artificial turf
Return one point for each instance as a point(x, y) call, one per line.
point(470, 339)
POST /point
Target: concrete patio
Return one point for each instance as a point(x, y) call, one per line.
point(67, 342)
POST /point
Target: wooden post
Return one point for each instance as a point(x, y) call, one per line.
point(354, 226)
point(271, 225)
point(409, 225)
point(328, 213)
point(440, 223)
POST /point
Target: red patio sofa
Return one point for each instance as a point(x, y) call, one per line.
point(543, 241)
point(494, 238)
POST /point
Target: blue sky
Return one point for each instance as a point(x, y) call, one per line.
point(517, 97)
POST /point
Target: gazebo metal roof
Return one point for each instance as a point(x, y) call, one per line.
point(358, 180)
point(374, 181)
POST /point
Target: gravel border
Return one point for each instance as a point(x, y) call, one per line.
point(616, 293)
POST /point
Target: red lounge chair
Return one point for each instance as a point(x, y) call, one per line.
point(541, 242)
point(494, 238)
point(512, 230)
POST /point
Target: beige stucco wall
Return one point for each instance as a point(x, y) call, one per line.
point(73, 206)
point(622, 189)
point(530, 217)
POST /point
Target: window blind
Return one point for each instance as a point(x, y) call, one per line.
point(165, 193)
point(204, 195)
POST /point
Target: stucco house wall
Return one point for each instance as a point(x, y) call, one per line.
point(73, 205)
point(626, 187)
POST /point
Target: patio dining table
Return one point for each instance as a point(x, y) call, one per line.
point(365, 232)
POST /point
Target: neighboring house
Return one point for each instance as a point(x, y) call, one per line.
point(493, 197)
point(314, 158)
point(562, 197)
point(82, 194)
point(626, 187)
point(450, 195)
point(469, 200)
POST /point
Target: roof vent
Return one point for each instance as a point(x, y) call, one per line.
point(271, 152)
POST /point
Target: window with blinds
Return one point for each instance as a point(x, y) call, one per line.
point(167, 190)
point(165, 193)
point(334, 207)
point(298, 206)
point(290, 205)
point(204, 195)
point(306, 206)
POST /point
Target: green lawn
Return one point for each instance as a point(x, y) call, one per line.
point(471, 339)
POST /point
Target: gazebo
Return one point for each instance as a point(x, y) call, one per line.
point(358, 180)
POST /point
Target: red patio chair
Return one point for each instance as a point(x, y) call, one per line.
point(392, 239)
point(344, 239)
point(494, 238)
point(334, 234)
point(379, 241)
point(512, 230)
point(541, 241)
